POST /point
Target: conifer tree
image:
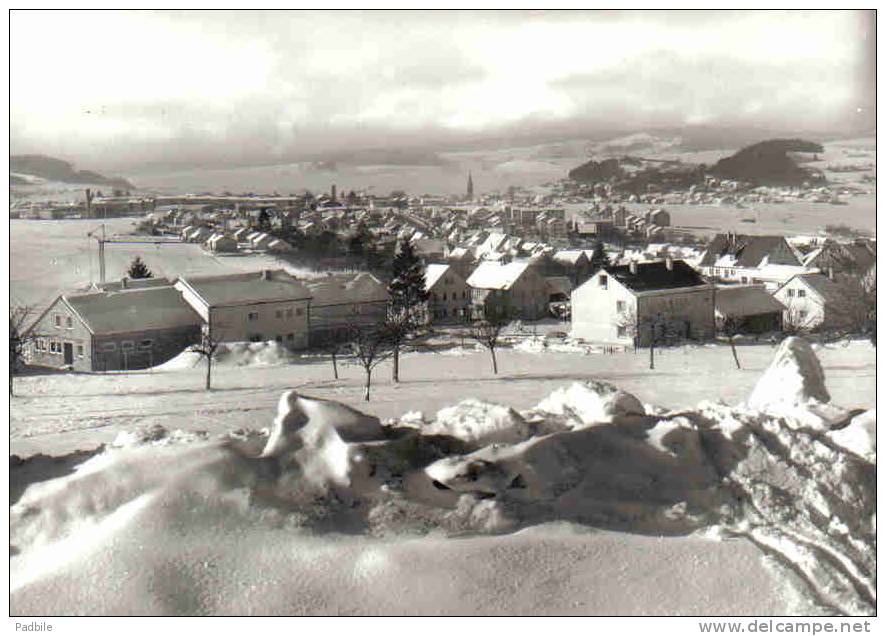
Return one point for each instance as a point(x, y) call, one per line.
point(138, 269)
point(407, 299)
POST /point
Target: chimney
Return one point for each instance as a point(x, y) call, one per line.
point(831, 273)
point(266, 274)
point(669, 263)
point(633, 267)
point(124, 283)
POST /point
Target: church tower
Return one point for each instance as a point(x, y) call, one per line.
point(470, 187)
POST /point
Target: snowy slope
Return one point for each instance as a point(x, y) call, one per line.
point(332, 512)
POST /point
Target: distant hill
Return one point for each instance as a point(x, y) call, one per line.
point(58, 170)
point(768, 163)
point(593, 171)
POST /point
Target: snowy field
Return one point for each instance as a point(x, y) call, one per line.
point(550, 492)
point(50, 257)
point(59, 413)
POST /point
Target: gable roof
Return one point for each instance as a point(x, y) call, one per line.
point(248, 288)
point(842, 257)
point(747, 250)
point(132, 310)
point(656, 275)
point(345, 289)
point(433, 273)
point(827, 289)
point(745, 300)
point(569, 257)
point(492, 275)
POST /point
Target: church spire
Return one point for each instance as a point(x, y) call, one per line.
point(470, 187)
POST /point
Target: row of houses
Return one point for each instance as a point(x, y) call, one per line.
point(143, 323)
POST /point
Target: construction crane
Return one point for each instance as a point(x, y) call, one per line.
point(103, 239)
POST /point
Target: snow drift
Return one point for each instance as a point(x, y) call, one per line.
point(237, 354)
point(798, 484)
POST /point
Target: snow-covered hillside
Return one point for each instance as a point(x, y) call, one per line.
point(590, 502)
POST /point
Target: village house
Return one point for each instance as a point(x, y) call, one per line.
point(516, 288)
point(340, 303)
point(745, 259)
point(852, 259)
point(221, 243)
point(255, 306)
point(747, 309)
point(815, 302)
point(621, 303)
point(118, 329)
point(450, 296)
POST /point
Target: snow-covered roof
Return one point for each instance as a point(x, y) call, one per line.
point(492, 275)
point(570, 257)
point(244, 289)
point(433, 273)
point(346, 288)
point(133, 310)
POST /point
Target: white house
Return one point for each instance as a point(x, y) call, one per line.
point(620, 303)
point(450, 296)
point(517, 287)
point(814, 301)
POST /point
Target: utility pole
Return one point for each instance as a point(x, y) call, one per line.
point(103, 239)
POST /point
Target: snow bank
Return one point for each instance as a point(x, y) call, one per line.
point(237, 354)
point(794, 377)
point(479, 423)
point(794, 386)
point(859, 436)
point(591, 402)
point(588, 454)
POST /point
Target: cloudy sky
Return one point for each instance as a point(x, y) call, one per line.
point(250, 86)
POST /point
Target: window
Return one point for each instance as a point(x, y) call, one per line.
point(145, 344)
point(790, 293)
point(69, 322)
point(79, 351)
point(127, 345)
point(58, 320)
point(622, 331)
point(253, 316)
point(444, 296)
point(604, 281)
point(801, 293)
point(289, 313)
point(290, 337)
point(801, 314)
point(279, 313)
point(299, 311)
point(620, 305)
point(109, 346)
point(256, 337)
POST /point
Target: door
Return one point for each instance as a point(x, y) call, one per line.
point(69, 353)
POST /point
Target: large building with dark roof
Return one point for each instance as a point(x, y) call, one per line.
point(641, 302)
point(118, 328)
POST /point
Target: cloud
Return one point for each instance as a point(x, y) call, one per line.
point(239, 86)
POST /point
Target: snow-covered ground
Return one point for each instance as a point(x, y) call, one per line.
point(550, 491)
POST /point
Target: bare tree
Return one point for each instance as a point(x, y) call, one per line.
point(796, 320)
point(729, 326)
point(369, 346)
point(487, 328)
point(207, 348)
point(652, 328)
point(20, 336)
